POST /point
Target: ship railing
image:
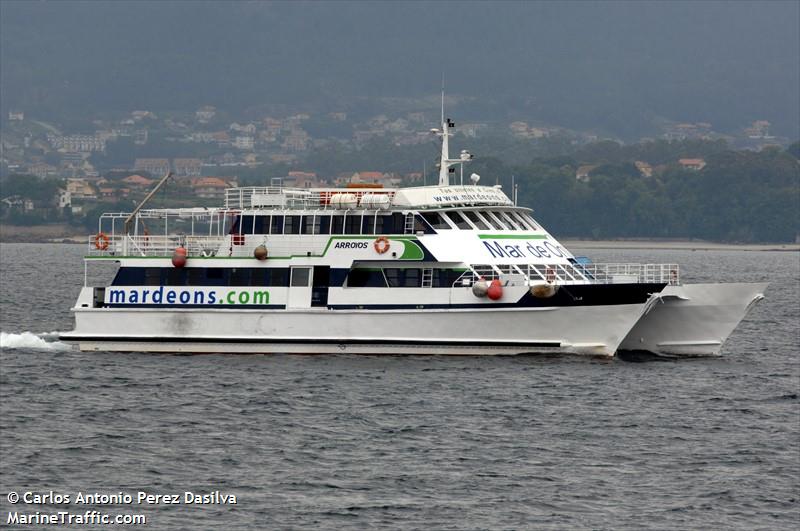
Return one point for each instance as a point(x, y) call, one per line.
point(253, 197)
point(153, 245)
point(529, 274)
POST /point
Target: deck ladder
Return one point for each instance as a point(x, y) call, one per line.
point(409, 229)
point(427, 277)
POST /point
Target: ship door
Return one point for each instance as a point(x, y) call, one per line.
point(300, 287)
point(319, 292)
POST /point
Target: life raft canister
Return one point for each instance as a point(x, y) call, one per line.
point(101, 241)
point(381, 245)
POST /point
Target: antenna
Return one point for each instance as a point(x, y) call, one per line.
point(442, 120)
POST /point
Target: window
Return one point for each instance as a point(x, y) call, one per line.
point(365, 278)
point(459, 220)
point(435, 220)
point(246, 224)
point(490, 220)
point(403, 278)
point(292, 225)
point(152, 276)
point(476, 220)
point(530, 220)
point(129, 276)
point(309, 224)
point(337, 224)
point(215, 275)
point(195, 276)
point(261, 225)
point(239, 276)
point(510, 221)
point(382, 222)
point(277, 277)
point(300, 277)
point(368, 224)
point(352, 223)
point(322, 225)
point(496, 219)
point(523, 221)
point(175, 277)
point(444, 278)
point(277, 225)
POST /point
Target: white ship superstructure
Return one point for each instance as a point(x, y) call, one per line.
point(444, 269)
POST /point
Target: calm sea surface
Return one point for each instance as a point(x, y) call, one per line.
point(408, 442)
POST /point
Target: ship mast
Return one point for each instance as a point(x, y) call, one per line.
point(445, 162)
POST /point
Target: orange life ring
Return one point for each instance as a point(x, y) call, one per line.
point(381, 245)
point(101, 241)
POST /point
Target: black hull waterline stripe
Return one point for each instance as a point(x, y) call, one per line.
point(295, 341)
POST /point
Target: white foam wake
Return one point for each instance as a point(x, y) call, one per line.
point(45, 341)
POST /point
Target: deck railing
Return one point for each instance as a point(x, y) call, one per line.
point(153, 245)
point(308, 198)
point(528, 274)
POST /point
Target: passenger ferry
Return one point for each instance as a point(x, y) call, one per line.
point(452, 268)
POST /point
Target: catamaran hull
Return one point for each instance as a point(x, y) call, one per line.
point(587, 330)
point(693, 319)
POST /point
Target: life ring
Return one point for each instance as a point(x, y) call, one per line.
point(101, 241)
point(550, 274)
point(381, 245)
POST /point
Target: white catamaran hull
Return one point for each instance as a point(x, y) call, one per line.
point(588, 330)
point(693, 319)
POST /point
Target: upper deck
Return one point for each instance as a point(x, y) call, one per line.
point(363, 198)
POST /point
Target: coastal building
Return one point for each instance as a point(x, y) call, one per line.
point(187, 167)
point(645, 170)
point(155, 167)
point(212, 187)
point(692, 164)
point(205, 113)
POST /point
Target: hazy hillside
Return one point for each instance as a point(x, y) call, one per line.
point(617, 67)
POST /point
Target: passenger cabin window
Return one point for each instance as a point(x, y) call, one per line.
point(308, 225)
point(492, 221)
point(499, 217)
point(321, 225)
point(277, 225)
point(435, 220)
point(352, 223)
point(476, 220)
point(337, 224)
point(510, 221)
point(368, 224)
point(459, 220)
point(292, 225)
point(403, 278)
point(524, 221)
point(366, 278)
point(531, 221)
point(152, 276)
point(239, 277)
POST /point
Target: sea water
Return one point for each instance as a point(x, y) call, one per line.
point(354, 442)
